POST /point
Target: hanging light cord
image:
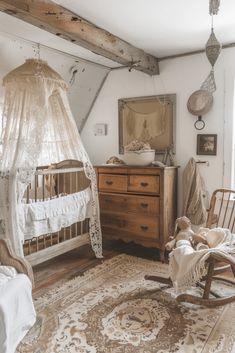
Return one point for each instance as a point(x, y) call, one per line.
point(214, 7)
point(38, 51)
point(38, 58)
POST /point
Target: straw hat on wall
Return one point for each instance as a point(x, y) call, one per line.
point(200, 102)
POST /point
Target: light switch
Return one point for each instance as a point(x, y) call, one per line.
point(100, 129)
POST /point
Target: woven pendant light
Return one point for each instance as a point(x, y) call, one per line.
point(200, 101)
point(213, 48)
point(209, 83)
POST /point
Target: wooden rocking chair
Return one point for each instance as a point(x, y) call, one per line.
point(220, 214)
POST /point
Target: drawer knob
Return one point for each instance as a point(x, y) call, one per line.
point(144, 184)
point(144, 227)
point(109, 182)
point(144, 205)
point(108, 200)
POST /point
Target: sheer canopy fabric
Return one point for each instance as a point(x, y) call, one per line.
point(39, 130)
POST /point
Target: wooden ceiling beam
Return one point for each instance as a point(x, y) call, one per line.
point(66, 24)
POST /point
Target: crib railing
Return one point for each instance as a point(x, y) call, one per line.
point(45, 241)
point(51, 183)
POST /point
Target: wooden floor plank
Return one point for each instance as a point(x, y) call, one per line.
point(65, 267)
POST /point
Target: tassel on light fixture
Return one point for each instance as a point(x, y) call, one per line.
point(214, 7)
point(200, 101)
point(213, 48)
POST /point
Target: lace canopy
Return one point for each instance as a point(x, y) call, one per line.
point(39, 130)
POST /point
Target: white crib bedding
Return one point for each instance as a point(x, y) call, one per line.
point(50, 216)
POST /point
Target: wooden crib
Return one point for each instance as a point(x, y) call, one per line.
point(66, 177)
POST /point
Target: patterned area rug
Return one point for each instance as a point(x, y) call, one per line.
point(112, 309)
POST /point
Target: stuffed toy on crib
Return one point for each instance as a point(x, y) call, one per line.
point(183, 231)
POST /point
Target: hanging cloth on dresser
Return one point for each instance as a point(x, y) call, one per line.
point(194, 194)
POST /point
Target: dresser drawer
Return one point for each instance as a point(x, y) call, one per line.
point(144, 183)
point(110, 182)
point(143, 205)
point(147, 227)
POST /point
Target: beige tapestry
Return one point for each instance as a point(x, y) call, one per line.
point(112, 309)
point(148, 119)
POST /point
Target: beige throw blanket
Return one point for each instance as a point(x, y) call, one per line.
point(187, 266)
point(194, 194)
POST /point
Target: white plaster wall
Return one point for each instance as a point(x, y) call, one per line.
point(181, 76)
point(13, 53)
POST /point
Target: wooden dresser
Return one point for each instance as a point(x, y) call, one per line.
point(138, 203)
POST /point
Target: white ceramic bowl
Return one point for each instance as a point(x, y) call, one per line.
point(144, 157)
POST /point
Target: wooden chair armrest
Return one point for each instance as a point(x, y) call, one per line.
point(8, 258)
point(217, 258)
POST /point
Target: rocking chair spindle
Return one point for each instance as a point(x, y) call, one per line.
point(220, 214)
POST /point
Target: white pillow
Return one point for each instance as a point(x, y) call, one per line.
point(7, 273)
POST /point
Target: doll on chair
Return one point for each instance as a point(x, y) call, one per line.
point(184, 234)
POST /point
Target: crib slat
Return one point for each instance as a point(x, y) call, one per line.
point(64, 183)
point(43, 187)
point(76, 228)
point(35, 187)
point(82, 227)
point(70, 183)
point(44, 241)
point(58, 184)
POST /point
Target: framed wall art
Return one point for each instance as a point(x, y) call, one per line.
point(207, 144)
point(150, 119)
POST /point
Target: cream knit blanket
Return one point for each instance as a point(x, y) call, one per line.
point(187, 266)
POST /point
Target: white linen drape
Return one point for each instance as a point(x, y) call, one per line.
point(40, 130)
